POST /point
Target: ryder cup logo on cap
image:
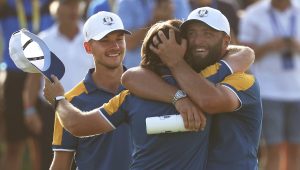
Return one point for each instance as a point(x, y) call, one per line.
point(32, 55)
point(210, 16)
point(101, 24)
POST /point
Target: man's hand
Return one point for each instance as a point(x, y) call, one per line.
point(53, 90)
point(193, 117)
point(169, 51)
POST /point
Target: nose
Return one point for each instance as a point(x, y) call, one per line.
point(115, 44)
point(197, 39)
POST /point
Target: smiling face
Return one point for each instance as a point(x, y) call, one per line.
point(109, 51)
point(206, 45)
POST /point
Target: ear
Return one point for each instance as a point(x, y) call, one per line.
point(226, 41)
point(87, 47)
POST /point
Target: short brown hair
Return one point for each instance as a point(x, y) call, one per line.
point(150, 60)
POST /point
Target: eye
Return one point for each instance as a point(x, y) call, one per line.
point(208, 33)
point(103, 40)
point(120, 39)
point(190, 33)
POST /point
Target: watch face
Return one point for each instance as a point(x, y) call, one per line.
point(180, 94)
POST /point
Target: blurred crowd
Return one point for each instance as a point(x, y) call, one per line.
point(270, 27)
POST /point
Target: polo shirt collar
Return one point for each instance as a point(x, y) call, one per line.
point(90, 84)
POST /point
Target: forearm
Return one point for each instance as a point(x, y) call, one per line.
point(206, 95)
point(81, 123)
point(148, 85)
point(31, 90)
point(239, 58)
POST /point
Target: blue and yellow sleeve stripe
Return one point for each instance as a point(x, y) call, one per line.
point(58, 128)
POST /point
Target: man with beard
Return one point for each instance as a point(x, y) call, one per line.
point(234, 103)
point(133, 110)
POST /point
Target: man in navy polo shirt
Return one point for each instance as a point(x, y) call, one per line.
point(105, 39)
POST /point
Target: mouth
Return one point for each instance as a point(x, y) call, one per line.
point(202, 52)
point(113, 54)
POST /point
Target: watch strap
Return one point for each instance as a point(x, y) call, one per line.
point(57, 99)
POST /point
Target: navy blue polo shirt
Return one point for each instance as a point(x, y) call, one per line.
point(184, 150)
point(234, 138)
point(111, 150)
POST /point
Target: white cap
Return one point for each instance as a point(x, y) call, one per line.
point(31, 54)
point(210, 16)
point(101, 24)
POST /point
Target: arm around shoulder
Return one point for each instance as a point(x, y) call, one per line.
point(146, 84)
point(240, 58)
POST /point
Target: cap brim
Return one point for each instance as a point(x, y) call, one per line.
point(46, 63)
point(56, 68)
point(52, 64)
point(104, 33)
point(185, 23)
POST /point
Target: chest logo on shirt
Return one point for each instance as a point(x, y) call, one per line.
point(108, 21)
point(202, 13)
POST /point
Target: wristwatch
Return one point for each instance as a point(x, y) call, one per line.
point(57, 99)
point(178, 95)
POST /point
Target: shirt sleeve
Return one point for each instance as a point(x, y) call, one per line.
point(113, 111)
point(217, 72)
point(62, 139)
point(244, 86)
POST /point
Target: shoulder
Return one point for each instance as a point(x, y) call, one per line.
point(240, 81)
point(115, 103)
point(76, 91)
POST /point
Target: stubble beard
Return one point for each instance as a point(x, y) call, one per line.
point(198, 63)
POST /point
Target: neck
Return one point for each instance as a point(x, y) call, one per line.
point(108, 79)
point(281, 5)
point(69, 31)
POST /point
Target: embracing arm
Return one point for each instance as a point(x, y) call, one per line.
point(74, 120)
point(146, 84)
point(209, 97)
point(240, 58)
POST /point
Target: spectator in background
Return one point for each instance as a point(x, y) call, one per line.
point(275, 37)
point(102, 5)
point(14, 15)
point(65, 39)
point(245, 3)
point(139, 15)
point(226, 8)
